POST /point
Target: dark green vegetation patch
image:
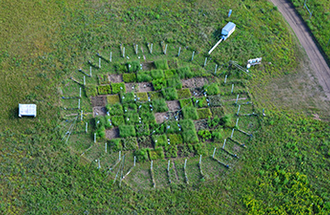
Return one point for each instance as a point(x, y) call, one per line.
point(170, 93)
point(103, 90)
point(159, 105)
point(126, 131)
point(189, 112)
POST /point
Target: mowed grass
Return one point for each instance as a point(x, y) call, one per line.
point(28, 63)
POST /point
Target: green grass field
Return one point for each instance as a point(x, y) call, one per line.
point(283, 170)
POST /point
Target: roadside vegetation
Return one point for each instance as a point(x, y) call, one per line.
point(319, 22)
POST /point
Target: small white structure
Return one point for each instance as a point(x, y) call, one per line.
point(228, 30)
point(27, 110)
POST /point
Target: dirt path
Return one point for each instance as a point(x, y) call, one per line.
point(317, 62)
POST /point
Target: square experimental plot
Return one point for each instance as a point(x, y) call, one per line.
point(100, 101)
point(95, 152)
point(212, 168)
point(225, 89)
point(246, 109)
point(70, 89)
point(233, 148)
point(82, 78)
point(110, 160)
point(145, 142)
point(112, 133)
point(249, 124)
point(173, 105)
point(241, 137)
point(215, 101)
point(140, 178)
point(188, 83)
point(200, 82)
point(225, 158)
point(125, 165)
point(69, 104)
point(230, 109)
point(78, 140)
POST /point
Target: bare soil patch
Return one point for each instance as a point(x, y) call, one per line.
point(148, 65)
point(112, 133)
point(145, 87)
point(173, 105)
point(99, 110)
point(160, 117)
point(115, 78)
point(200, 82)
point(131, 87)
point(188, 83)
point(99, 101)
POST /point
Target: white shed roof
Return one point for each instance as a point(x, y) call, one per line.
point(27, 110)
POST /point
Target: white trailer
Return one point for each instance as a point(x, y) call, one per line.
point(27, 110)
point(228, 30)
point(225, 33)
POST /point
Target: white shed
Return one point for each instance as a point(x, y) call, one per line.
point(27, 110)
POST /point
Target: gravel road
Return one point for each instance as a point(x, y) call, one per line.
point(317, 62)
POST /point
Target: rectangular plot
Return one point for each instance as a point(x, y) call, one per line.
point(71, 89)
point(212, 168)
point(78, 76)
point(96, 151)
point(160, 173)
point(231, 109)
point(179, 164)
point(192, 170)
point(233, 148)
point(109, 160)
point(231, 99)
point(70, 103)
point(115, 56)
point(224, 157)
